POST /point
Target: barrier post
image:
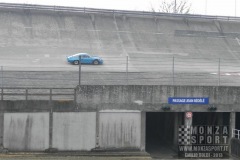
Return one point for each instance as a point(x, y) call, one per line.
point(26, 94)
point(50, 98)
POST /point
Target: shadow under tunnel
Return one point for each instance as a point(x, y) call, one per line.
point(237, 120)
point(162, 130)
point(161, 133)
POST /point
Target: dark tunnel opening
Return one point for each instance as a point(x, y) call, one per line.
point(237, 120)
point(162, 129)
point(160, 133)
point(211, 118)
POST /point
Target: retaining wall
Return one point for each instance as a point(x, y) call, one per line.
point(154, 97)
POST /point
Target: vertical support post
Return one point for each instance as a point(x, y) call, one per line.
point(173, 72)
point(176, 125)
point(219, 72)
point(50, 126)
point(50, 96)
point(127, 69)
point(97, 128)
point(79, 63)
point(232, 125)
point(50, 103)
point(143, 131)
point(232, 122)
point(26, 94)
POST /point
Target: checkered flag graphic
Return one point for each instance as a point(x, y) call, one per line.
point(184, 135)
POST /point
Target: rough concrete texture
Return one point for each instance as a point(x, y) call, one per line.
point(120, 129)
point(74, 131)
point(37, 36)
point(152, 98)
point(26, 131)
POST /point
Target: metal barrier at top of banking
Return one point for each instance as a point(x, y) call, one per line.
point(124, 12)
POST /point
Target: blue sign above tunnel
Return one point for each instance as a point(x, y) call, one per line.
point(188, 100)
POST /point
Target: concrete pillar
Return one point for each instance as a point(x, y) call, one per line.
point(176, 124)
point(232, 123)
point(97, 129)
point(2, 149)
point(143, 131)
point(51, 149)
point(50, 127)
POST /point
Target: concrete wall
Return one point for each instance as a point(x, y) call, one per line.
point(26, 131)
point(120, 129)
point(74, 130)
point(40, 32)
point(153, 97)
point(235, 147)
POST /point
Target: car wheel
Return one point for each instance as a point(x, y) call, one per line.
point(75, 62)
point(95, 62)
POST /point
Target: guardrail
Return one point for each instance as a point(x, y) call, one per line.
point(236, 133)
point(108, 11)
point(38, 93)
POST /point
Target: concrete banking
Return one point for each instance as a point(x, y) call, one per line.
point(62, 33)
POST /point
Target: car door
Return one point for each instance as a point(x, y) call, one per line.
point(85, 59)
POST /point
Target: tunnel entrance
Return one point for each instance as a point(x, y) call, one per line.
point(162, 130)
point(161, 133)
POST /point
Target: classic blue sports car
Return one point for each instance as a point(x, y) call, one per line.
point(85, 59)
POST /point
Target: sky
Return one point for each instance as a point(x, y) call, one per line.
point(204, 7)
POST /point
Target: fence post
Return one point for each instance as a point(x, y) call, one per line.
point(173, 71)
point(79, 63)
point(26, 93)
point(50, 95)
point(127, 69)
point(219, 72)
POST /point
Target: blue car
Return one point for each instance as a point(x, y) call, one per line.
point(85, 59)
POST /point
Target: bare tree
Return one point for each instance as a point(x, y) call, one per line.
point(173, 6)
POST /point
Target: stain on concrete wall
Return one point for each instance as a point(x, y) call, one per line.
point(74, 130)
point(26, 131)
point(120, 129)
